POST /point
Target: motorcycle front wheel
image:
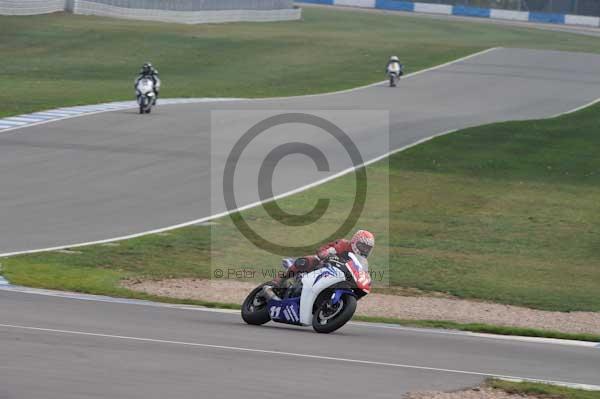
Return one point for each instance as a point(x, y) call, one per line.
point(254, 308)
point(328, 317)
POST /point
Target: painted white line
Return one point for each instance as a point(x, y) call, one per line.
point(407, 76)
point(68, 113)
point(226, 213)
point(593, 102)
point(53, 114)
point(141, 302)
point(27, 119)
point(257, 203)
point(88, 109)
point(535, 340)
point(109, 299)
point(50, 114)
point(41, 117)
point(278, 197)
point(296, 355)
point(3, 281)
point(65, 113)
point(13, 123)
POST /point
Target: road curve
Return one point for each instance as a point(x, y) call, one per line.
point(118, 173)
point(59, 348)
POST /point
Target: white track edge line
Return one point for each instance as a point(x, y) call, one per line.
point(520, 338)
point(301, 355)
point(300, 189)
point(257, 203)
point(278, 197)
point(226, 213)
point(178, 306)
point(70, 113)
point(176, 101)
point(593, 102)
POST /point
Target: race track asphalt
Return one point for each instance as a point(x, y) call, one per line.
point(57, 348)
point(118, 173)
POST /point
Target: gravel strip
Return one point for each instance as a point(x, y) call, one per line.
point(395, 306)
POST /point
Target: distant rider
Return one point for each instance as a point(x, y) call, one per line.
point(395, 66)
point(148, 71)
point(361, 244)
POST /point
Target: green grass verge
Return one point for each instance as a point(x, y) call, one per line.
point(542, 390)
point(59, 59)
point(506, 212)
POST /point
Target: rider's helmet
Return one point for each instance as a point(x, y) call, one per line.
point(394, 58)
point(362, 242)
point(147, 68)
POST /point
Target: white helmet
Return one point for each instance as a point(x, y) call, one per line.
point(362, 243)
point(394, 58)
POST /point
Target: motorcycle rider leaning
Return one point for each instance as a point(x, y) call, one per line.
point(361, 244)
point(148, 71)
point(394, 65)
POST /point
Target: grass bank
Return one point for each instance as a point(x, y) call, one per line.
point(60, 59)
point(507, 212)
point(542, 390)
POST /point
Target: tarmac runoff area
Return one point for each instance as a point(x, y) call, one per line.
point(89, 347)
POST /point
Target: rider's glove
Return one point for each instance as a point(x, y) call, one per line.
point(333, 258)
point(326, 253)
point(286, 263)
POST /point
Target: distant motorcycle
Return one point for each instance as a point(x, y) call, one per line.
point(325, 298)
point(394, 72)
point(145, 95)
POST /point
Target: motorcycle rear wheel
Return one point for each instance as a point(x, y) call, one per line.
point(254, 308)
point(328, 317)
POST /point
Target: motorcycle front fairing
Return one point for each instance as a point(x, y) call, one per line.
point(299, 310)
point(145, 87)
point(313, 284)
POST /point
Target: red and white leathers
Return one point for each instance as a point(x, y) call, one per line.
point(361, 244)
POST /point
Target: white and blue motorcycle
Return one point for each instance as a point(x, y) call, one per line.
point(394, 71)
point(146, 98)
point(325, 298)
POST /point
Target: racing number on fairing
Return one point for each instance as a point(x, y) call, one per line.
point(275, 311)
